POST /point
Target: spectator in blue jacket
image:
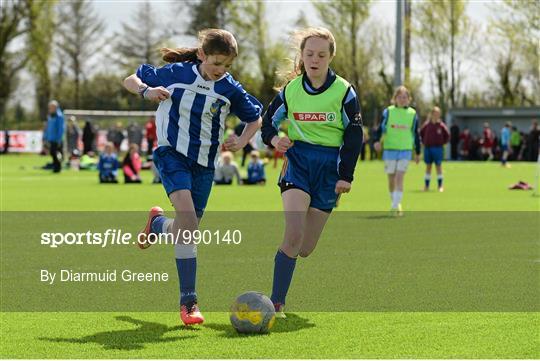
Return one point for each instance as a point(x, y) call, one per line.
point(54, 133)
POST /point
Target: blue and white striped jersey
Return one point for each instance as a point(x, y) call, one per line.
point(192, 120)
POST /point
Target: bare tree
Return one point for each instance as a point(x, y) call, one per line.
point(79, 38)
point(140, 39)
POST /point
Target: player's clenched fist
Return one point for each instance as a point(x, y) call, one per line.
point(342, 187)
point(281, 143)
point(233, 143)
point(157, 94)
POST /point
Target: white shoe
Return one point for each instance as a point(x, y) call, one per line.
point(279, 308)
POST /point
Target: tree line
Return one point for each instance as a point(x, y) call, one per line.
point(63, 46)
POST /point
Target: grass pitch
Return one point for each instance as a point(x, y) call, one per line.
point(328, 333)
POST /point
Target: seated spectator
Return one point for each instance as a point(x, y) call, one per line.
point(88, 161)
point(226, 170)
point(132, 165)
point(108, 165)
point(255, 170)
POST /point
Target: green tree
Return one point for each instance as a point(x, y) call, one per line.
point(259, 57)
point(515, 27)
point(344, 19)
point(41, 26)
point(301, 20)
point(12, 28)
point(208, 14)
point(446, 39)
point(79, 39)
point(362, 56)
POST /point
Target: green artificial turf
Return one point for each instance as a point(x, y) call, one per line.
point(456, 277)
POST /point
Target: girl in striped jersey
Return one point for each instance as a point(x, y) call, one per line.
point(195, 94)
point(321, 150)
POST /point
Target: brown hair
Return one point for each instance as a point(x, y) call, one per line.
point(211, 41)
point(299, 39)
point(399, 90)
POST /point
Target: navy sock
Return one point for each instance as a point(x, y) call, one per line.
point(440, 180)
point(187, 272)
point(283, 272)
point(157, 224)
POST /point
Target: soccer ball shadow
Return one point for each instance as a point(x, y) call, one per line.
point(292, 323)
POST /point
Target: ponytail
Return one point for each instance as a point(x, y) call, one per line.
point(211, 42)
point(179, 54)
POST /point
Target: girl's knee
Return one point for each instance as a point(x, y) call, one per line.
point(304, 253)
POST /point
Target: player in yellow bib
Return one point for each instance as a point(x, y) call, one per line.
point(399, 132)
point(321, 149)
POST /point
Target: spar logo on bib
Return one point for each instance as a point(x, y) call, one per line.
point(315, 117)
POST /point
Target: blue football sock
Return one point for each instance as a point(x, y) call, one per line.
point(283, 272)
point(439, 180)
point(187, 272)
point(427, 179)
point(157, 224)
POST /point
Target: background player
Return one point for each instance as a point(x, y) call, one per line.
point(399, 126)
point(505, 144)
point(435, 135)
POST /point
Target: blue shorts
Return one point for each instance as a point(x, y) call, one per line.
point(505, 147)
point(392, 154)
point(433, 155)
point(313, 169)
point(180, 172)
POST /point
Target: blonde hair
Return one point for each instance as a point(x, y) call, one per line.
point(433, 110)
point(211, 41)
point(400, 89)
point(299, 39)
point(227, 155)
point(109, 146)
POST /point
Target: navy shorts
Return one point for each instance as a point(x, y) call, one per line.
point(180, 172)
point(433, 155)
point(313, 169)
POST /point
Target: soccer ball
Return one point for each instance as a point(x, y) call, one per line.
point(252, 312)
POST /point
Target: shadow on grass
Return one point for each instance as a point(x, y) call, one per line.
point(381, 216)
point(292, 323)
point(134, 339)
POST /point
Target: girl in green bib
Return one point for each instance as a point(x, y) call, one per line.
point(398, 129)
point(321, 149)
